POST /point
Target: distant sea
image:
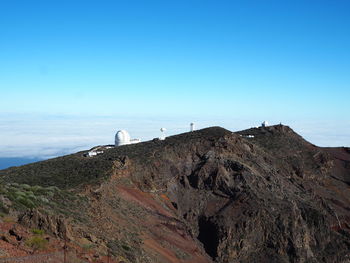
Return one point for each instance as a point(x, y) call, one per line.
point(16, 161)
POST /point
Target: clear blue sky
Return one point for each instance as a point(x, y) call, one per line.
point(267, 58)
point(277, 60)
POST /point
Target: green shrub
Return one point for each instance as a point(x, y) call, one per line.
point(32, 198)
point(19, 193)
point(38, 190)
point(25, 187)
point(126, 247)
point(49, 194)
point(39, 232)
point(30, 193)
point(25, 201)
point(37, 242)
point(44, 200)
point(53, 188)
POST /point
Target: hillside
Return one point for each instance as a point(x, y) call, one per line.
point(259, 195)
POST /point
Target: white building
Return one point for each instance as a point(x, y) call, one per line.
point(91, 153)
point(162, 136)
point(192, 127)
point(122, 137)
point(265, 124)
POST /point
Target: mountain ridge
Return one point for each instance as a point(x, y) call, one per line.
point(258, 195)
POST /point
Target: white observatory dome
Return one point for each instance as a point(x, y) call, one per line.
point(265, 124)
point(122, 137)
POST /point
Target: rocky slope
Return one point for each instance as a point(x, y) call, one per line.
point(259, 195)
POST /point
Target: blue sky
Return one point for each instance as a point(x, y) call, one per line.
point(219, 62)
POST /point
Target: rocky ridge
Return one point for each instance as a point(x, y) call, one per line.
point(259, 195)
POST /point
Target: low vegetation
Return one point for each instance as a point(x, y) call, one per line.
point(21, 197)
point(37, 242)
point(38, 231)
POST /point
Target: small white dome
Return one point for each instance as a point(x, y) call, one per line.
point(122, 137)
point(265, 124)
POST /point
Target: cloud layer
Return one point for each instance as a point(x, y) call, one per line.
point(48, 136)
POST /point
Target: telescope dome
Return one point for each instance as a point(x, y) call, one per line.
point(122, 137)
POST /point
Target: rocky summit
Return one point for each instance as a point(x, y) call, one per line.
point(212, 195)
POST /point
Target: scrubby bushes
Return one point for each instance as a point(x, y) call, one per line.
point(37, 243)
point(38, 231)
point(23, 195)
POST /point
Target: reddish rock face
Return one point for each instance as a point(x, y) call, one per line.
point(207, 196)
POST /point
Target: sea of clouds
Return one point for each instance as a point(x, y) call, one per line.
point(46, 136)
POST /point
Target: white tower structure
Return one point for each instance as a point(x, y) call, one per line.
point(265, 124)
point(192, 127)
point(162, 136)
